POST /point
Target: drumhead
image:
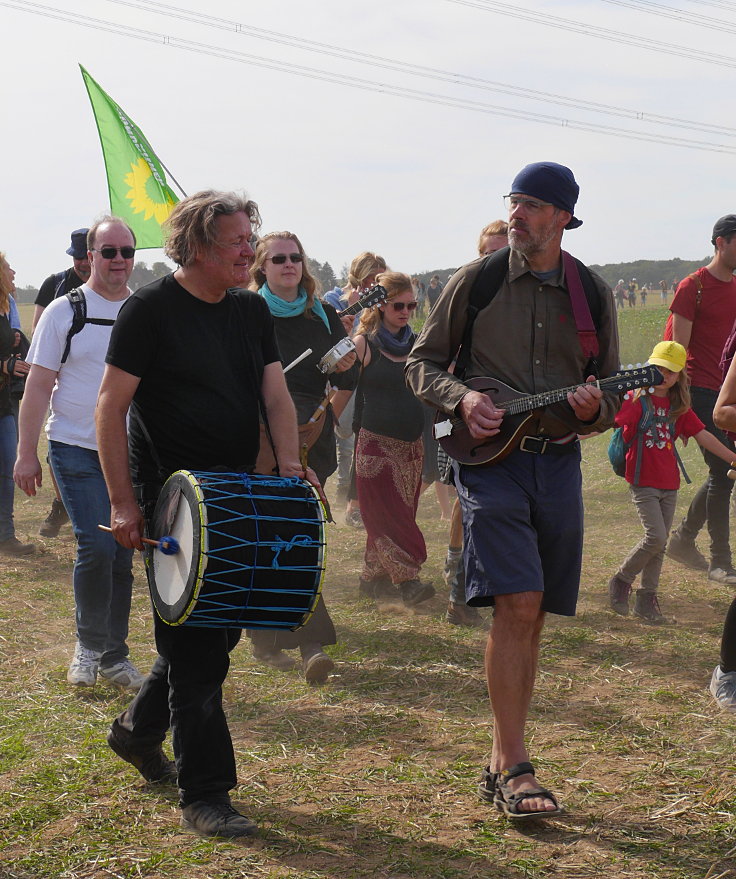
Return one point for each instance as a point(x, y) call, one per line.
point(177, 579)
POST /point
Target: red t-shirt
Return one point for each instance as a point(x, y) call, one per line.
point(658, 463)
point(712, 320)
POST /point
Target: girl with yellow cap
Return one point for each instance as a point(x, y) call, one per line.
point(650, 426)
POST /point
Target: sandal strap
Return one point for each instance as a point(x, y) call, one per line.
point(513, 800)
point(518, 769)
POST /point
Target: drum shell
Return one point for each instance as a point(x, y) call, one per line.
point(252, 551)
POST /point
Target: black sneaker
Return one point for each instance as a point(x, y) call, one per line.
point(56, 518)
point(414, 592)
point(646, 607)
point(618, 595)
point(216, 819)
point(684, 551)
point(13, 546)
point(152, 763)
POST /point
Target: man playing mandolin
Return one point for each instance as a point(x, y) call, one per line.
point(536, 329)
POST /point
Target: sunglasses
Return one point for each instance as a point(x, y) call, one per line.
point(112, 252)
point(281, 258)
point(400, 306)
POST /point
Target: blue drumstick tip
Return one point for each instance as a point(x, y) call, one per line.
point(168, 545)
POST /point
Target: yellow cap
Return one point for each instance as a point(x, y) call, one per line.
point(671, 355)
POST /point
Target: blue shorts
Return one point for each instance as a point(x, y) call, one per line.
point(523, 528)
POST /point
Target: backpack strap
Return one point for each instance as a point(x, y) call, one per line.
point(485, 286)
point(649, 416)
point(59, 281)
point(78, 303)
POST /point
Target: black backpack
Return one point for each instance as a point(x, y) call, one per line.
point(488, 282)
point(78, 303)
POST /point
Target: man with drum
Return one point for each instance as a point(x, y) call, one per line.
point(191, 358)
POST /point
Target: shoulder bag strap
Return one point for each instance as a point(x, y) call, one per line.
point(580, 309)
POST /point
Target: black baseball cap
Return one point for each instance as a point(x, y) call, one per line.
point(724, 227)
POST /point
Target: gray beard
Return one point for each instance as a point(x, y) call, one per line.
point(534, 243)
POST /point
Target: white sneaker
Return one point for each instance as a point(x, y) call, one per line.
point(723, 688)
point(83, 669)
point(124, 674)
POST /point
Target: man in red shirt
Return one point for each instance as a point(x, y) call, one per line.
point(703, 313)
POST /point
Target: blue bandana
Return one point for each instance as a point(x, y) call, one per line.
point(550, 182)
point(281, 308)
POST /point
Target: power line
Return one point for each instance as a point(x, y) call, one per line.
point(357, 82)
point(590, 30)
point(355, 56)
point(704, 21)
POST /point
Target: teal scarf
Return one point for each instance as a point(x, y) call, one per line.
point(281, 308)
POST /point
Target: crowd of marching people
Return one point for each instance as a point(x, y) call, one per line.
point(340, 387)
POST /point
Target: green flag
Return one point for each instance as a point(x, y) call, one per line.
point(135, 177)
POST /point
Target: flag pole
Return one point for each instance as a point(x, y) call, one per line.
point(173, 179)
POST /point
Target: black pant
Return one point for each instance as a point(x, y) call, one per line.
point(711, 502)
point(184, 692)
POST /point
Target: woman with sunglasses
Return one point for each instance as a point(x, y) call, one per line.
point(388, 457)
point(281, 275)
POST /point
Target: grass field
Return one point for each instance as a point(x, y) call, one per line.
point(374, 774)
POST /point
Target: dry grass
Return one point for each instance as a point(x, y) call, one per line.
point(374, 774)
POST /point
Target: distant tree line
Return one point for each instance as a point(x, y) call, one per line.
point(646, 271)
point(650, 271)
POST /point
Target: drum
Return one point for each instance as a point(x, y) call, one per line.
point(251, 551)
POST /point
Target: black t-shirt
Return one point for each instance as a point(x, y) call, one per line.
point(47, 293)
point(201, 366)
point(305, 381)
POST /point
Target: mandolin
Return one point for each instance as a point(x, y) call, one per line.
point(455, 438)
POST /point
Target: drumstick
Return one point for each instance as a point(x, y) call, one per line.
point(298, 359)
point(320, 491)
point(168, 545)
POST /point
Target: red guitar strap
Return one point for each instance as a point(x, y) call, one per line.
point(581, 312)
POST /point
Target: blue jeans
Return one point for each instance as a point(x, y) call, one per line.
point(103, 576)
point(8, 446)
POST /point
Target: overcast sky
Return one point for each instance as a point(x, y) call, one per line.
point(350, 169)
